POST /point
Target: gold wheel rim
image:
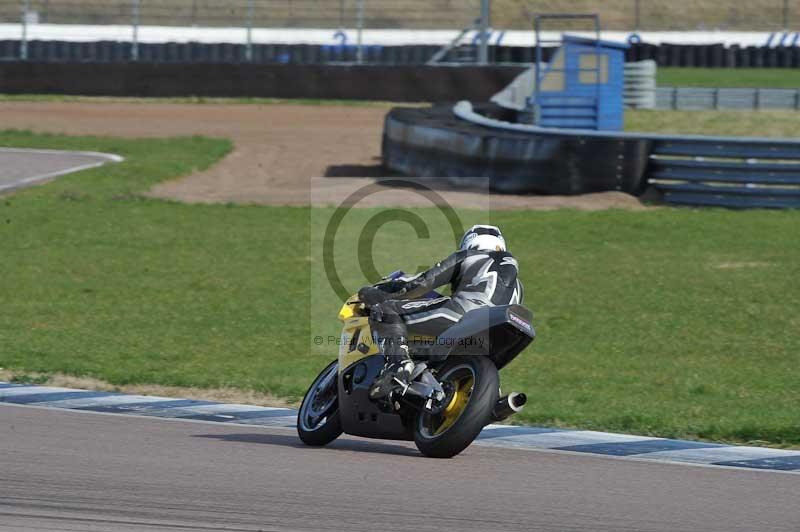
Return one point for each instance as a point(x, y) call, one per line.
point(453, 411)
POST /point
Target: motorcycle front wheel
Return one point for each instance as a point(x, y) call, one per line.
point(318, 421)
point(474, 387)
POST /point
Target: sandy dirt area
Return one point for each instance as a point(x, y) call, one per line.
point(278, 151)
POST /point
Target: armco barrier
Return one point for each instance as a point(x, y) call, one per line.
point(700, 98)
point(483, 148)
point(397, 83)
point(727, 172)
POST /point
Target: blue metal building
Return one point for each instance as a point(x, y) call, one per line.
point(582, 85)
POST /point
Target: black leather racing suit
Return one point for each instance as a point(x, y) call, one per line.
point(477, 278)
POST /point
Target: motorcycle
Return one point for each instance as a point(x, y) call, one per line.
point(455, 389)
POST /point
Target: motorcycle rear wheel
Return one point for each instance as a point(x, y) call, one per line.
point(318, 421)
point(476, 386)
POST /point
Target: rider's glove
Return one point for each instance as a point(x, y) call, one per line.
point(369, 295)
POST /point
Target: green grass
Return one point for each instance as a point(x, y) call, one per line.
point(731, 123)
point(672, 322)
point(762, 78)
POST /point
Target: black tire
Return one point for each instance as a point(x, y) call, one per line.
point(475, 415)
point(327, 428)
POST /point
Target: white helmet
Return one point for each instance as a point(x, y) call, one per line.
point(483, 238)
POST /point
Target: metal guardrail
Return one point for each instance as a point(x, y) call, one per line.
point(729, 182)
point(735, 172)
point(695, 99)
point(727, 172)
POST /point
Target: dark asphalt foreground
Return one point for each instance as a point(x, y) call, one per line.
point(62, 470)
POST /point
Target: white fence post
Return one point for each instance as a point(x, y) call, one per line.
point(483, 49)
point(23, 46)
point(359, 33)
point(248, 51)
point(135, 43)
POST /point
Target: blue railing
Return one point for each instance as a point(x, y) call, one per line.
point(723, 172)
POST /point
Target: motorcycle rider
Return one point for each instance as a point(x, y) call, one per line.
point(482, 272)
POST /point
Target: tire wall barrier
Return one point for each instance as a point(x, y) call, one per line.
point(716, 55)
point(432, 142)
point(397, 83)
point(640, 84)
point(461, 143)
point(665, 55)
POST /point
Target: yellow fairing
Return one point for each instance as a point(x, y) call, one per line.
point(347, 312)
point(356, 341)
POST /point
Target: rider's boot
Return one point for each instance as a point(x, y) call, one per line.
point(399, 367)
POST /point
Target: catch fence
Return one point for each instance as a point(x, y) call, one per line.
point(645, 15)
point(470, 27)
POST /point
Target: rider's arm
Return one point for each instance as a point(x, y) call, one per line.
point(438, 275)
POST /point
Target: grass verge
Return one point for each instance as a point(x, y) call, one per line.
point(762, 78)
point(724, 123)
point(671, 322)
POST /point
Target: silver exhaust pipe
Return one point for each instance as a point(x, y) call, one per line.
point(508, 405)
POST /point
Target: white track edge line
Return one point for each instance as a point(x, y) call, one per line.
point(718, 468)
point(109, 157)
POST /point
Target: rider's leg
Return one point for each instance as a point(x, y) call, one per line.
point(389, 331)
point(392, 322)
point(431, 320)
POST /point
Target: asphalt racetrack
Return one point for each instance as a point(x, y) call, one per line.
point(63, 470)
point(21, 167)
